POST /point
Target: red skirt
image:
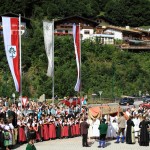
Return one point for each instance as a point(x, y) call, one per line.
point(45, 132)
point(65, 132)
point(38, 136)
point(73, 130)
point(52, 131)
point(22, 136)
point(77, 129)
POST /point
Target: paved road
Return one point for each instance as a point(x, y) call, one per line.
point(75, 144)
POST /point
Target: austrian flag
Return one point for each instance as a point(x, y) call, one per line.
point(76, 38)
point(11, 42)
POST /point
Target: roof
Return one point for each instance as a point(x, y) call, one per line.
point(147, 31)
point(23, 19)
point(104, 18)
point(123, 29)
point(76, 19)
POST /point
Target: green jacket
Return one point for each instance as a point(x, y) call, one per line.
point(30, 147)
point(103, 128)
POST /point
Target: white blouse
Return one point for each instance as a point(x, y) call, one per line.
point(11, 126)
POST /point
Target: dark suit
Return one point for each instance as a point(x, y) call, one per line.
point(84, 132)
point(13, 115)
point(9, 114)
point(3, 115)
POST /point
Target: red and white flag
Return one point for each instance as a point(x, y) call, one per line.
point(11, 42)
point(76, 37)
point(24, 100)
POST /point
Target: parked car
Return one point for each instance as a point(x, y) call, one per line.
point(29, 112)
point(127, 100)
point(146, 99)
point(146, 105)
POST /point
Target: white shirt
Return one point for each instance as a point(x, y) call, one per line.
point(11, 126)
point(6, 127)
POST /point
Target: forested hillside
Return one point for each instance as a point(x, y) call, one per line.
point(121, 12)
point(104, 67)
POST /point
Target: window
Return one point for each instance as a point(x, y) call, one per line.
point(59, 31)
point(66, 31)
point(86, 32)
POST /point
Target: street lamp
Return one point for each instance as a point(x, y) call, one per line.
point(100, 93)
point(13, 95)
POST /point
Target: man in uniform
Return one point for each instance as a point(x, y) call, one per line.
point(84, 132)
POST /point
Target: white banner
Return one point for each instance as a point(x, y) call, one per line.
point(48, 29)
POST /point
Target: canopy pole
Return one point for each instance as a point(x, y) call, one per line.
point(20, 61)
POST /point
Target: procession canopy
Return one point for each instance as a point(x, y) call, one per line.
point(99, 111)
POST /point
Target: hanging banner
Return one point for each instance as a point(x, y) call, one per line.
point(11, 42)
point(48, 30)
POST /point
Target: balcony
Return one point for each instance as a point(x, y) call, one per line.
point(135, 45)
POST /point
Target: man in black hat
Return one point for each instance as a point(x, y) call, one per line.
point(84, 132)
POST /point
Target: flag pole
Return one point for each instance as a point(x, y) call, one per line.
point(80, 70)
point(20, 61)
point(53, 65)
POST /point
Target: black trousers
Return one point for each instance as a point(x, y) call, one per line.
point(103, 137)
point(84, 140)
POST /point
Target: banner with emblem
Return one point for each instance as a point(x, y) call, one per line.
point(48, 30)
point(11, 42)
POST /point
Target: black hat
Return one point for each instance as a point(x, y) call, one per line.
point(103, 120)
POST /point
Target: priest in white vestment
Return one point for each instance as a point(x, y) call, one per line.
point(96, 124)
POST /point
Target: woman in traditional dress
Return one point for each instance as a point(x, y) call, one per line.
point(77, 127)
point(65, 129)
point(41, 121)
point(21, 131)
point(45, 129)
point(12, 131)
point(58, 128)
point(28, 129)
point(7, 135)
point(130, 135)
point(35, 126)
point(73, 128)
point(70, 127)
point(144, 134)
point(52, 128)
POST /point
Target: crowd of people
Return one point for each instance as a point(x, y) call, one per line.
point(130, 124)
point(49, 122)
point(45, 121)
